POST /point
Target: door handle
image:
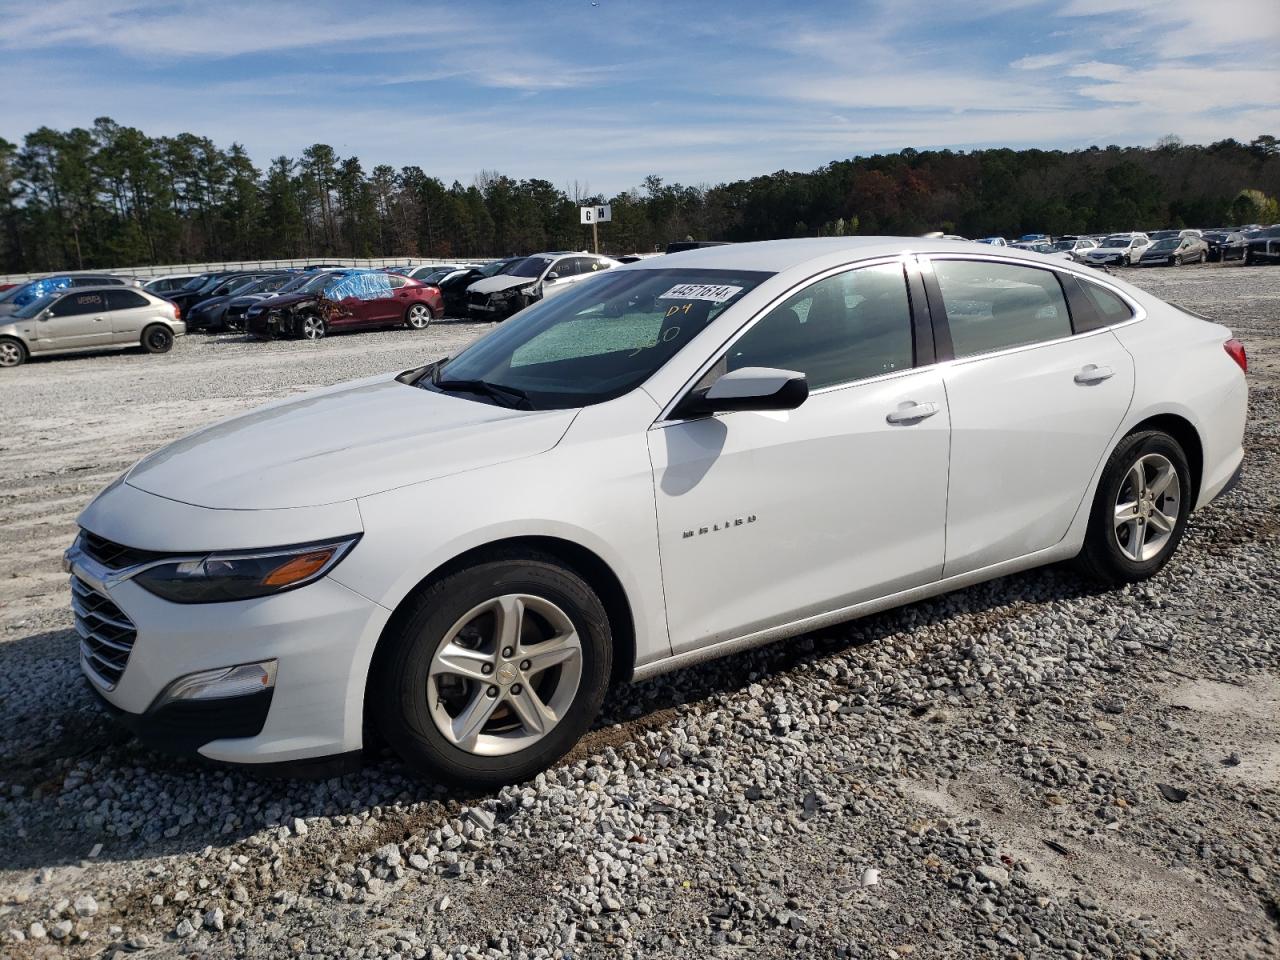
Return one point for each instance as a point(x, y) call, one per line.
point(911, 412)
point(98, 319)
point(1091, 373)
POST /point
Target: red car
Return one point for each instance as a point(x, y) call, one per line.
point(350, 300)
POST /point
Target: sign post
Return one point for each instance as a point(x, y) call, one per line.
point(602, 213)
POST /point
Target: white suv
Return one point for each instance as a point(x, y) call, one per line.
point(685, 457)
point(536, 277)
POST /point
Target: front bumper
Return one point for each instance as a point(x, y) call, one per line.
point(321, 637)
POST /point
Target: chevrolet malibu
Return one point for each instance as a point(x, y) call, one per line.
point(688, 456)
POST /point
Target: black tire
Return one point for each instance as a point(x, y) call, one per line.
point(418, 316)
point(311, 326)
point(13, 352)
point(1101, 556)
point(157, 338)
point(398, 680)
point(1177, 260)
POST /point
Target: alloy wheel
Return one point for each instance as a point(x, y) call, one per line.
point(10, 354)
point(504, 675)
point(1147, 507)
point(312, 327)
point(419, 316)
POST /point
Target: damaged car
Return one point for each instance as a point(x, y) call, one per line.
point(358, 300)
point(538, 276)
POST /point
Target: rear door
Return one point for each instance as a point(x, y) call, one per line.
point(1036, 396)
point(129, 312)
point(76, 320)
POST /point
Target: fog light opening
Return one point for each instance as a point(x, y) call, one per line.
point(221, 684)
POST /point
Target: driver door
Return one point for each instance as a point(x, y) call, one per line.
point(766, 518)
point(76, 320)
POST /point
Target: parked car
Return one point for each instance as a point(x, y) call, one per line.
point(1074, 247)
point(357, 300)
point(1035, 246)
point(1263, 245)
point(454, 287)
point(1225, 245)
point(77, 319)
point(212, 314)
point(1033, 237)
point(995, 241)
point(1174, 252)
point(208, 285)
point(541, 275)
point(25, 294)
point(462, 557)
point(168, 283)
point(239, 304)
point(1117, 249)
point(427, 271)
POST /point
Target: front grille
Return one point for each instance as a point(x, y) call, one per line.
point(106, 634)
point(478, 298)
point(114, 555)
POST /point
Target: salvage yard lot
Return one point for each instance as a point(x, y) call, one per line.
point(1032, 766)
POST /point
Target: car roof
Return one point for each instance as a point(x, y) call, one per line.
point(72, 291)
point(778, 256)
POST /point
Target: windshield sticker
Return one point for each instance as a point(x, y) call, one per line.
point(715, 292)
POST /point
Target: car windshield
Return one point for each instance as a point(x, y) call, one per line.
point(1166, 244)
point(529, 267)
point(598, 341)
point(498, 267)
point(36, 306)
point(296, 283)
point(212, 284)
point(243, 285)
point(1164, 234)
point(1065, 245)
point(1116, 242)
point(195, 283)
point(1268, 232)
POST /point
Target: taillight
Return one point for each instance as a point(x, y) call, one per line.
point(177, 312)
point(1235, 350)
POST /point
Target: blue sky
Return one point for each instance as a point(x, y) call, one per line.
point(601, 95)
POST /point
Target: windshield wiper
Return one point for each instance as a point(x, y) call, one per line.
point(507, 396)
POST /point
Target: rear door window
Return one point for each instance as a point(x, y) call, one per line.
point(993, 306)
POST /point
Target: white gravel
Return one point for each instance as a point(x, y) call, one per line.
point(978, 775)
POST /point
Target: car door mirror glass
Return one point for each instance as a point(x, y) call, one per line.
point(748, 388)
point(553, 275)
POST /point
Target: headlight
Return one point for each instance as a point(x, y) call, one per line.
point(243, 575)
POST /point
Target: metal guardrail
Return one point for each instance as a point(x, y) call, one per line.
point(300, 262)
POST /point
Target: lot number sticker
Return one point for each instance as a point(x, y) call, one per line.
point(715, 292)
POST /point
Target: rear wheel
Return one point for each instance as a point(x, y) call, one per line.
point(312, 327)
point(418, 316)
point(157, 338)
point(13, 353)
point(1140, 509)
point(494, 672)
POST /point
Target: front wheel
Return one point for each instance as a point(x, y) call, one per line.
point(418, 316)
point(494, 672)
point(12, 352)
point(157, 338)
point(312, 327)
point(1140, 510)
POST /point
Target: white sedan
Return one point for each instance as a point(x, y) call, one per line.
point(688, 456)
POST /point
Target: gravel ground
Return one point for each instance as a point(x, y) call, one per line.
point(1031, 767)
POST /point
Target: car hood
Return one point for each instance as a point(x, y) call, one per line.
point(250, 298)
point(212, 303)
point(344, 442)
point(288, 300)
point(500, 283)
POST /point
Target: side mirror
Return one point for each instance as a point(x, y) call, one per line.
point(552, 276)
point(750, 388)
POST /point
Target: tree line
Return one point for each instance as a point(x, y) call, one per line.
point(111, 195)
